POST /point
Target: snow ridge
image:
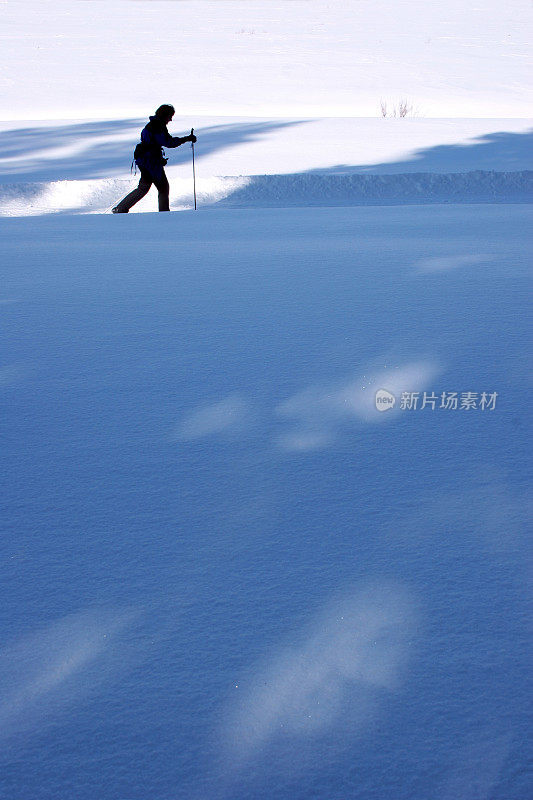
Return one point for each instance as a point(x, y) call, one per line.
point(311, 189)
point(261, 191)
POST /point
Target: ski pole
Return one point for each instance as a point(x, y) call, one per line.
point(193, 170)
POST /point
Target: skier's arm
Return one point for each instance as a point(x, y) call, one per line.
point(166, 140)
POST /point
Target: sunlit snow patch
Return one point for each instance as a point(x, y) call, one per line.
point(445, 263)
point(354, 653)
point(98, 196)
point(230, 414)
point(319, 413)
point(43, 672)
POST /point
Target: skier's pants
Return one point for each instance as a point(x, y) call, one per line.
point(146, 181)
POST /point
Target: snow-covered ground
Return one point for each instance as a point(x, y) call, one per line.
point(109, 58)
point(226, 573)
point(266, 466)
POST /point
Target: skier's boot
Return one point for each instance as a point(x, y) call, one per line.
point(116, 210)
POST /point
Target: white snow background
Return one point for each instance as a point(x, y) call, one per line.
point(225, 574)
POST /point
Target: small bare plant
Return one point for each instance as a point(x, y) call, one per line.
point(400, 109)
point(404, 109)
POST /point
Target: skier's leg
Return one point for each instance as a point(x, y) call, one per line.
point(137, 194)
point(161, 182)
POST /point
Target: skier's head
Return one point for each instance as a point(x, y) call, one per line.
point(165, 113)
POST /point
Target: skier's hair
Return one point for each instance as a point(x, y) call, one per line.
point(164, 112)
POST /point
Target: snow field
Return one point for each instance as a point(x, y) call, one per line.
point(197, 479)
point(227, 572)
point(275, 59)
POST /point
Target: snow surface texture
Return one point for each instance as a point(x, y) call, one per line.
point(226, 574)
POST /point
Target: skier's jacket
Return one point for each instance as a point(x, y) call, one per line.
point(149, 153)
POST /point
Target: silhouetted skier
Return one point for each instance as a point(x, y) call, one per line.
point(150, 159)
